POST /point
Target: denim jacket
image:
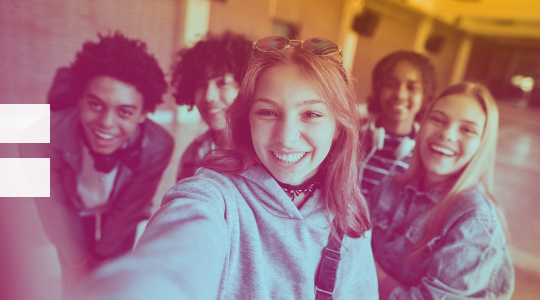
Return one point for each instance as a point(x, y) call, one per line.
point(468, 259)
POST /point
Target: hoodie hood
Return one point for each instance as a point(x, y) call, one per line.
point(259, 180)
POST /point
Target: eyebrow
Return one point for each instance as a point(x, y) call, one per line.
point(90, 95)
point(300, 104)
point(462, 120)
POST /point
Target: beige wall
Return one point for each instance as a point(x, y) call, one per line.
point(246, 17)
point(254, 18)
point(395, 31)
point(444, 60)
point(38, 36)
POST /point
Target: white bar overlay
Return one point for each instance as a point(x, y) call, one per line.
point(25, 177)
point(25, 123)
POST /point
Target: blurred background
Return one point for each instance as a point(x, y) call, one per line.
point(496, 42)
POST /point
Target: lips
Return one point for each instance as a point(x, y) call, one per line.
point(442, 150)
point(104, 135)
point(399, 106)
point(214, 110)
point(289, 158)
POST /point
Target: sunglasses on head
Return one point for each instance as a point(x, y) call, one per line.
point(317, 46)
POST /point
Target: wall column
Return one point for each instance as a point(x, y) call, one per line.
point(462, 59)
point(348, 38)
point(422, 34)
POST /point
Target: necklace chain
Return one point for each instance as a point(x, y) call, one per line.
point(295, 192)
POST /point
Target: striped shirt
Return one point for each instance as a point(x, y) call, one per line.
point(382, 161)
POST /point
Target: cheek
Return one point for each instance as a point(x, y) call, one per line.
point(417, 100)
point(87, 116)
point(198, 96)
point(471, 147)
point(385, 95)
point(258, 133)
point(230, 95)
point(128, 127)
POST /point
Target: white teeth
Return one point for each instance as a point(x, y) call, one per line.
point(443, 150)
point(400, 106)
point(104, 135)
point(289, 158)
point(215, 110)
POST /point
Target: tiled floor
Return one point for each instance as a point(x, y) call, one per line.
point(517, 189)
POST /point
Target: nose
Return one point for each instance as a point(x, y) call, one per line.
point(212, 92)
point(107, 118)
point(450, 133)
point(287, 131)
point(402, 92)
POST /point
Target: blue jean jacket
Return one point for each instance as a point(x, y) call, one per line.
point(468, 259)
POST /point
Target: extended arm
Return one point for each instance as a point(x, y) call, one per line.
point(181, 254)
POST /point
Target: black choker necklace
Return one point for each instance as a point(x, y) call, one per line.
point(306, 188)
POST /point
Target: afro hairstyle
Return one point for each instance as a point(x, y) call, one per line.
point(384, 69)
point(124, 59)
point(212, 57)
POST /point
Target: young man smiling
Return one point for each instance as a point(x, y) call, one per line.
point(107, 158)
point(403, 83)
point(208, 75)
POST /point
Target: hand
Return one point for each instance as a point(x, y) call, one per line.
point(387, 284)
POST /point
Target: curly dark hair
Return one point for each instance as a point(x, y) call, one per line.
point(211, 57)
point(384, 69)
point(121, 58)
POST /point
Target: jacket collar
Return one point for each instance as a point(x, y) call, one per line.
point(433, 195)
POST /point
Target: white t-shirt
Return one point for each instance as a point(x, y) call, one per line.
point(94, 187)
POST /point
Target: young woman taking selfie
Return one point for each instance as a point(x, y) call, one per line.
point(279, 217)
point(437, 232)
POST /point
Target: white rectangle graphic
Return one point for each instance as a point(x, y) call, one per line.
point(25, 177)
point(25, 123)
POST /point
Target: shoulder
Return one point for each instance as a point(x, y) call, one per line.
point(473, 204)
point(386, 193)
point(201, 141)
point(155, 134)
point(204, 184)
point(64, 134)
point(157, 143)
point(475, 216)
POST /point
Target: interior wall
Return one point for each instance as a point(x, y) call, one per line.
point(315, 18)
point(444, 59)
point(397, 29)
point(394, 32)
point(38, 36)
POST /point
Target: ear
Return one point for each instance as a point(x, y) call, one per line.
point(142, 118)
point(80, 101)
point(337, 132)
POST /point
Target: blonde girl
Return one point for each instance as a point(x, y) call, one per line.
point(436, 231)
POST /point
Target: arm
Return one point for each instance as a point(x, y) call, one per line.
point(386, 283)
point(181, 254)
point(188, 162)
point(473, 262)
point(132, 204)
point(58, 217)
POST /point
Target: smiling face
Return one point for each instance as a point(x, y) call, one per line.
point(213, 98)
point(291, 128)
point(401, 94)
point(110, 111)
point(450, 136)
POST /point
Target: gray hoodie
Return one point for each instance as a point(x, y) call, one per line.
point(234, 237)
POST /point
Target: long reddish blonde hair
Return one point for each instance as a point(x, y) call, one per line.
point(339, 170)
point(477, 173)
